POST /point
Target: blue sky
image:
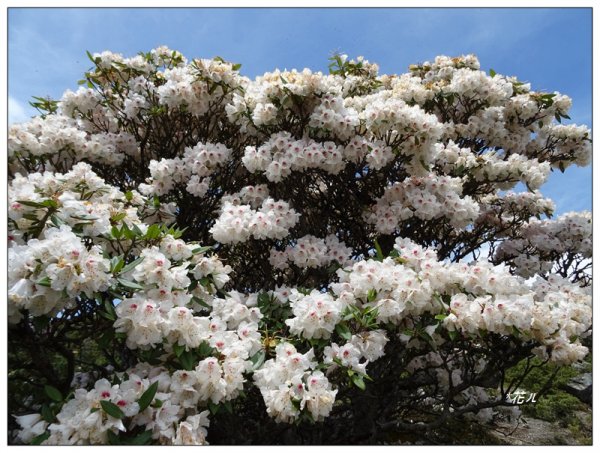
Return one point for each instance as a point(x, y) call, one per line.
point(551, 48)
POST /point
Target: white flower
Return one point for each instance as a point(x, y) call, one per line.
point(31, 425)
point(315, 315)
point(192, 431)
point(319, 397)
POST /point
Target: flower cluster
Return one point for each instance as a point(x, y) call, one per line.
point(161, 314)
point(92, 416)
point(408, 128)
point(564, 144)
point(46, 275)
point(501, 211)
point(426, 198)
point(332, 115)
point(315, 314)
point(61, 143)
point(289, 386)
point(265, 97)
point(490, 298)
point(78, 198)
point(369, 345)
point(189, 86)
point(541, 242)
point(193, 170)
point(506, 173)
point(495, 112)
point(312, 252)
point(281, 155)
point(237, 223)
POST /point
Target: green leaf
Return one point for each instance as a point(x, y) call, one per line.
point(379, 255)
point(178, 349)
point(228, 407)
point(258, 359)
point(201, 249)
point(106, 315)
point(129, 195)
point(371, 295)
point(31, 204)
point(113, 439)
point(129, 284)
point(116, 232)
point(110, 308)
point(142, 439)
point(47, 414)
point(453, 334)
point(263, 300)
point(31, 217)
point(357, 380)
point(153, 232)
point(50, 204)
point(343, 331)
point(131, 265)
point(296, 403)
point(205, 349)
point(492, 73)
point(87, 218)
point(441, 317)
point(112, 409)
point(118, 217)
point(116, 264)
point(213, 408)
point(53, 393)
point(148, 396)
point(57, 221)
point(187, 360)
point(197, 299)
point(127, 232)
point(37, 440)
point(44, 282)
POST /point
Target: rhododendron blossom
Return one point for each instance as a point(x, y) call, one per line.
point(199, 257)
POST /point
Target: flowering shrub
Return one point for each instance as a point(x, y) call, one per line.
point(199, 257)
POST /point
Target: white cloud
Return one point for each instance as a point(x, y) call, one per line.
point(17, 112)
